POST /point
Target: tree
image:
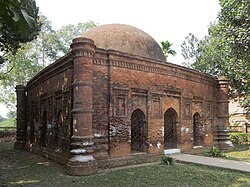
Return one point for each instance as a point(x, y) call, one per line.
point(43, 48)
point(24, 66)
point(166, 48)
point(1, 118)
point(225, 51)
point(189, 50)
point(18, 24)
point(55, 44)
point(32, 57)
point(11, 114)
point(207, 55)
point(68, 32)
point(234, 26)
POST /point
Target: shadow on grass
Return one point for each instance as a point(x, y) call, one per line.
point(21, 168)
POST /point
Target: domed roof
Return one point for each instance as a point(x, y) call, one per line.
point(126, 39)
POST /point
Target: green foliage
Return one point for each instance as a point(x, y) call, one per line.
point(240, 138)
point(213, 152)
point(190, 50)
point(21, 72)
point(34, 56)
point(206, 55)
point(67, 33)
point(225, 51)
point(166, 48)
point(167, 160)
point(8, 123)
point(18, 24)
point(234, 24)
point(1, 118)
point(11, 114)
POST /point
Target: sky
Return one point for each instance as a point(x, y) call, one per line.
point(170, 20)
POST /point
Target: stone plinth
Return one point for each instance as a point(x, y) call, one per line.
point(221, 137)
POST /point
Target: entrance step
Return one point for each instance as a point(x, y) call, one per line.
point(172, 151)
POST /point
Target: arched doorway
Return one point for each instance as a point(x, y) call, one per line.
point(198, 132)
point(138, 131)
point(57, 129)
point(170, 132)
point(43, 130)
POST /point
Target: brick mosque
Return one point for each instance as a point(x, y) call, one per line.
point(114, 100)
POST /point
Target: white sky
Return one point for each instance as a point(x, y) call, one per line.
point(162, 19)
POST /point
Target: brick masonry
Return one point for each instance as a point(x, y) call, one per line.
point(79, 108)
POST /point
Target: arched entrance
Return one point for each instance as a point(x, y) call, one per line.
point(43, 130)
point(170, 132)
point(138, 131)
point(198, 131)
point(57, 129)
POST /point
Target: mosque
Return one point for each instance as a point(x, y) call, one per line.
point(114, 100)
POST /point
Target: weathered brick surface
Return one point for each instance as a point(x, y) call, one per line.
point(185, 91)
point(86, 100)
point(120, 86)
point(50, 93)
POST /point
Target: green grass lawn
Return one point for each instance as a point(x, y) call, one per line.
point(20, 168)
point(240, 152)
point(8, 123)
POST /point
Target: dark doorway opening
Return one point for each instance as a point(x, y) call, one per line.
point(43, 130)
point(170, 132)
point(198, 130)
point(138, 131)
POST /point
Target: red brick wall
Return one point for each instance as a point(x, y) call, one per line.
point(153, 88)
point(100, 106)
point(122, 84)
point(49, 93)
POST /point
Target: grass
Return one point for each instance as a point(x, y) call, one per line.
point(20, 168)
point(240, 152)
point(8, 123)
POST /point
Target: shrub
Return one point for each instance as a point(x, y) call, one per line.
point(239, 138)
point(213, 152)
point(167, 160)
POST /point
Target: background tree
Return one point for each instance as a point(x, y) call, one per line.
point(225, 51)
point(18, 24)
point(32, 57)
point(207, 55)
point(166, 48)
point(189, 50)
point(1, 118)
point(234, 26)
point(68, 32)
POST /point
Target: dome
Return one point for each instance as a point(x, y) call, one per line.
point(126, 39)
